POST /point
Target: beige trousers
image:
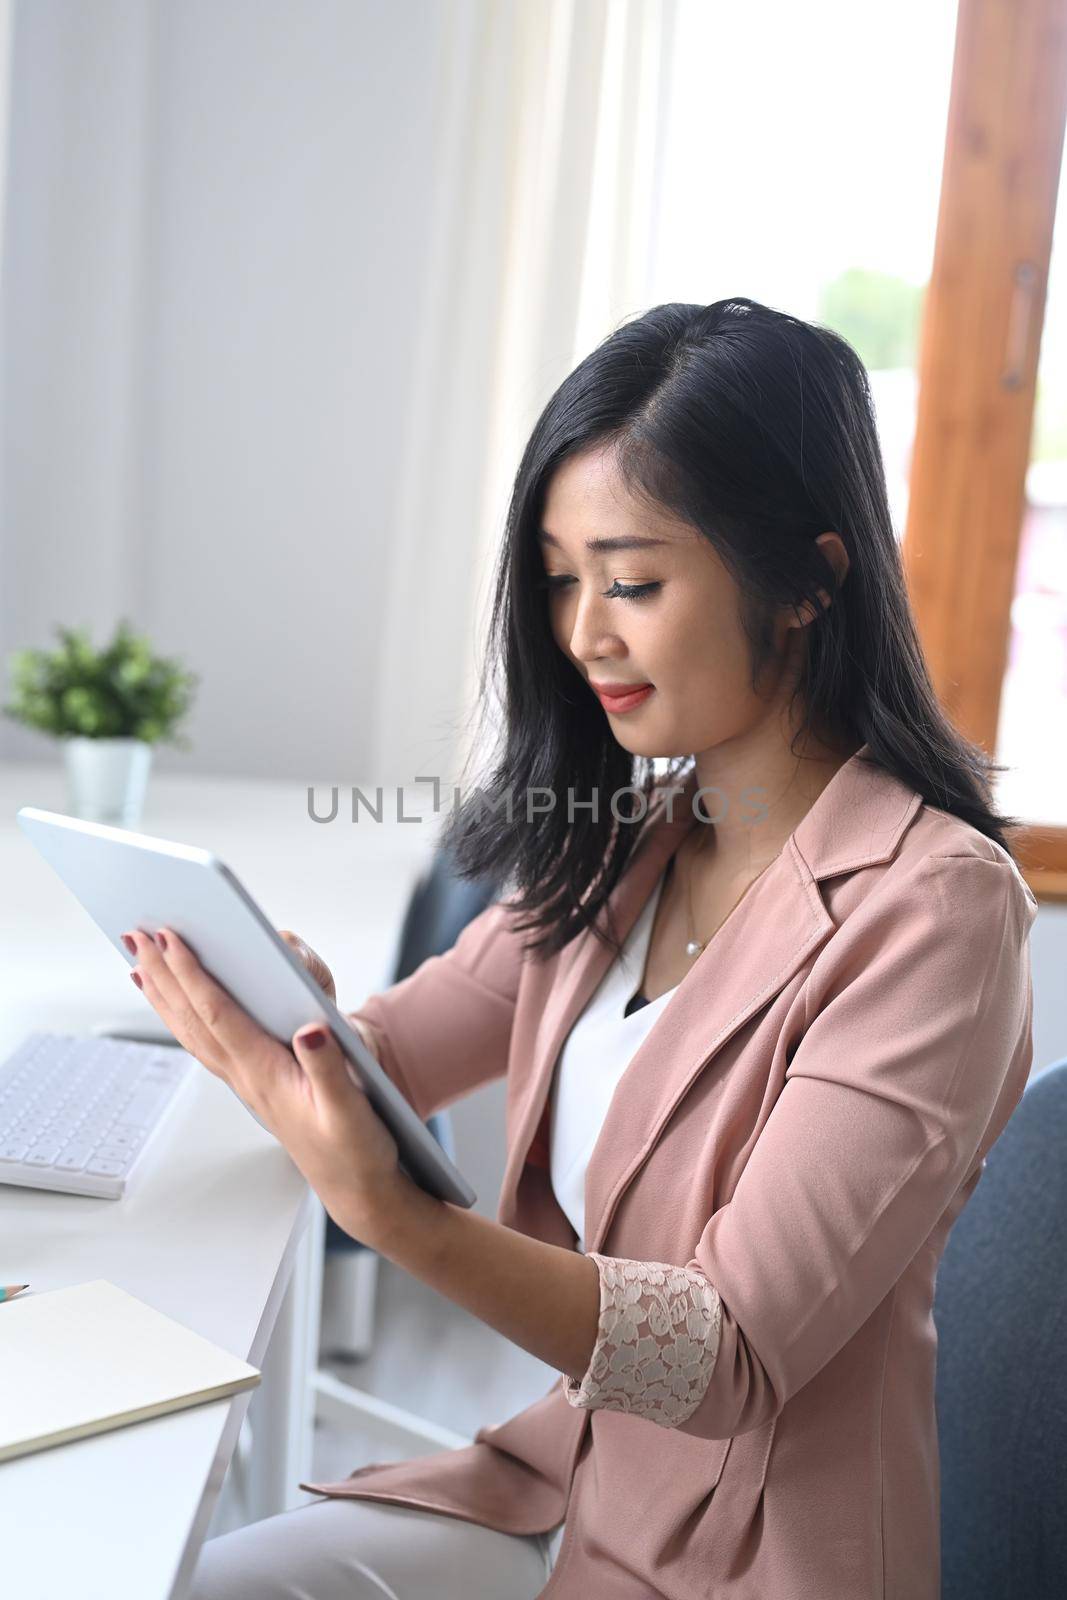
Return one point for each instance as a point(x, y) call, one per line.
point(337, 1549)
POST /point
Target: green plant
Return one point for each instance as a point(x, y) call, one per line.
point(122, 691)
point(877, 313)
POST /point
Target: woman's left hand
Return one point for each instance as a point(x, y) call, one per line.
point(304, 1096)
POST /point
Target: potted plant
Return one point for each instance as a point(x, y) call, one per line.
point(109, 707)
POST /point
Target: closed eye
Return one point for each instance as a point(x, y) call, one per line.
point(618, 591)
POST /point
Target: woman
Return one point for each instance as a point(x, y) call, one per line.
point(761, 1018)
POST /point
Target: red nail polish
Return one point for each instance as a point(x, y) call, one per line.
point(136, 976)
point(314, 1041)
point(161, 939)
point(131, 944)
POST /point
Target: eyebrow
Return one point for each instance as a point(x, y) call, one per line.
point(605, 547)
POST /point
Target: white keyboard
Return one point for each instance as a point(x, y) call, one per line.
point(77, 1113)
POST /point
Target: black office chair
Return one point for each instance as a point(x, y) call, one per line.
point(440, 907)
point(1000, 1308)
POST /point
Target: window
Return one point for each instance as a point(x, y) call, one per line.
point(1032, 726)
point(893, 173)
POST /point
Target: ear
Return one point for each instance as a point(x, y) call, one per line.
point(807, 612)
point(832, 547)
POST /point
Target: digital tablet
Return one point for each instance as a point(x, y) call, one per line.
point(131, 880)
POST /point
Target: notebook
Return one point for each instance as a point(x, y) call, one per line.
point(82, 1360)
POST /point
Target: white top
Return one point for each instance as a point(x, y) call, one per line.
point(597, 1052)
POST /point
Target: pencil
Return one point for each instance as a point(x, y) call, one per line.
point(8, 1291)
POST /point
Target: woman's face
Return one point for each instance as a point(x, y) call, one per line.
point(657, 608)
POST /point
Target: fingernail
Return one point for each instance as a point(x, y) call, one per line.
point(161, 939)
point(131, 944)
point(315, 1040)
point(136, 976)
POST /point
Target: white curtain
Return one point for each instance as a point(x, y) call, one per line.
point(550, 129)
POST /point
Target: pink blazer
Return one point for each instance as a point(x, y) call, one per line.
point(798, 1130)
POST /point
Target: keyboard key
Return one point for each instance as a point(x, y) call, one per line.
point(107, 1169)
point(62, 1131)
point(127, 1138)
point(112, 1152)
point(43, 1156)
point(13, 1150)
point(74, 1157)
point(95, 1128)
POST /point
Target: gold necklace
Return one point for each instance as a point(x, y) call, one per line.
point(695, 946)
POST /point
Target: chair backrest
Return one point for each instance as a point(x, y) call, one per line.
point(1000, 1308)
point(440, 907)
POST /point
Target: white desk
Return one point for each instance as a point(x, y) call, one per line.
point(226, 1236)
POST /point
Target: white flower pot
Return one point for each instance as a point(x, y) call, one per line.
point(106, 779)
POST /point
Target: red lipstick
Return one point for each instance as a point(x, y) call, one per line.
point(619, 697)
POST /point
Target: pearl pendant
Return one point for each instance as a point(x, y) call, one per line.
point(694, 947)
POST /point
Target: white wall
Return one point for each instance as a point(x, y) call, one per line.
point(216, 240)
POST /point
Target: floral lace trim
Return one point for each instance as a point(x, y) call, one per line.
point(657, 1341)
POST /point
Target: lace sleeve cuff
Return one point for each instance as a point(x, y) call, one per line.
point(657, 1341)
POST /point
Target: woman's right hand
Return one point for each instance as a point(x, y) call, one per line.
point(322, 975)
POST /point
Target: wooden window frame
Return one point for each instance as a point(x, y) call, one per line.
point(981, 337)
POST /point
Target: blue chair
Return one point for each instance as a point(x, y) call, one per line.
point(440, 906)
point(1000, 1307)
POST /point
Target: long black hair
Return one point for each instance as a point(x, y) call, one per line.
point(759, 430)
